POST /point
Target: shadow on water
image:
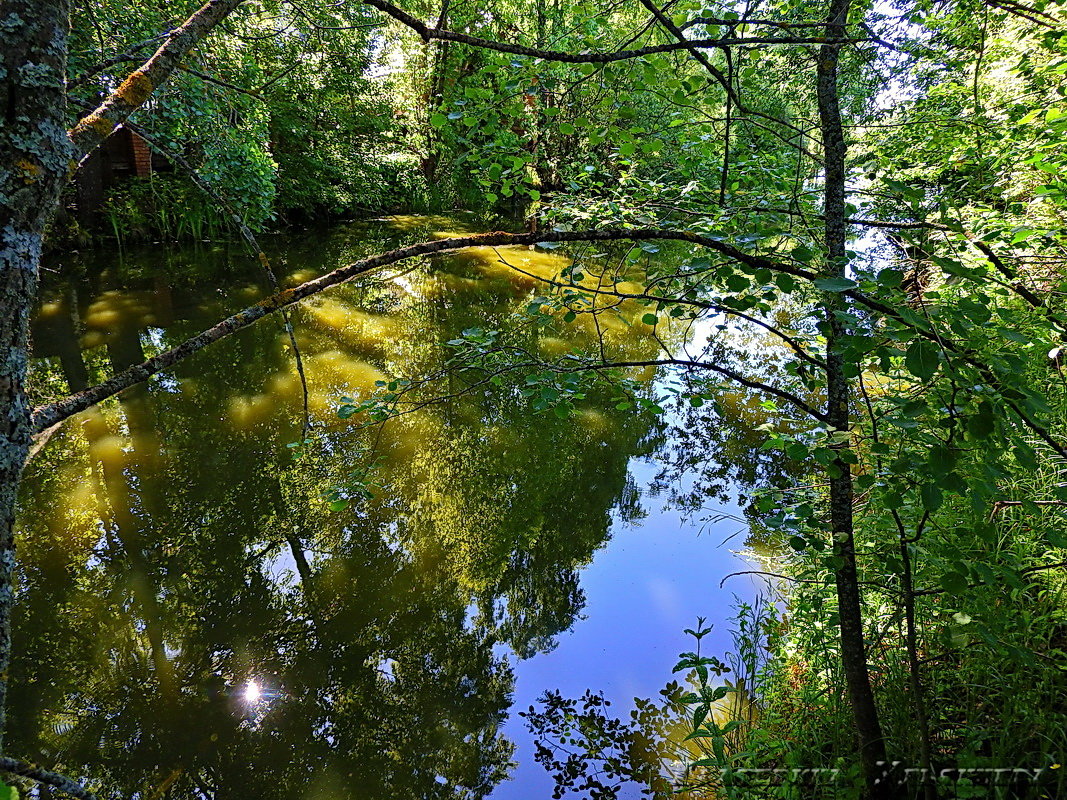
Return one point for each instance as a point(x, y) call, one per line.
point(196, 621)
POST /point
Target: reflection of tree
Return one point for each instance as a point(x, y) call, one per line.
point(154, 582)
point(717, 447)
point(512, 510)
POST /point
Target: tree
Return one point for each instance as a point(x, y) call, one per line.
point(135, 91)
point(764, 238)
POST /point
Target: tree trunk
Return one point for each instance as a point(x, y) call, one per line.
point(838, 391)
point(35, 159)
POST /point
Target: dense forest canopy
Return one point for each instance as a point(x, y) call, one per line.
point(876, 190)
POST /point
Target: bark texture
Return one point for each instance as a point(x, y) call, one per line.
point(35, 159)
point(838, 391)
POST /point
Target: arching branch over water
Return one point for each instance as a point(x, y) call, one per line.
point(46, 416)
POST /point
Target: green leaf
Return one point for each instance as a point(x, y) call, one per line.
point(650, 319)
point(737, 283)
point(438, 120)
point(700, 713)
point(785, 282)
point(922, 359)
point(891, 278)
point(835, 284)
point(1057, 538)
point(954, 583)
point(931, 496)
point(8, 792)
point(566, 128)
point(954, 482)
point(1025, 455)
point(982, 424)
point(941, 459)
point(703, 733)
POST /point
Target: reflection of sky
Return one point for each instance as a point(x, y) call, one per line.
point(645, 586)
point(649, 583)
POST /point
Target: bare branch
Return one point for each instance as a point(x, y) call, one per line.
point(694, 50)
point(93, 129)
point(220, 82)
point(736, 23)
point(427, 33)
point(1000, 505)
point(44, 776)
point(250, 240)
point(48, 415)
point(118, 58)
point(1014, 282)
point(681, 301)
point(692, 45)
point(967, 356)
point(769, 575)
point(1035, 15)
point(732, 375)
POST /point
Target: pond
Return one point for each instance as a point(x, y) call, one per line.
point(210, 607)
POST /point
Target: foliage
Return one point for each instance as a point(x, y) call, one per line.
point(163, 207)
point(587, 750)
point(881, 219)
point(375, 628)
point(945, 328)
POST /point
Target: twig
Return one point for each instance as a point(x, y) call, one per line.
point(253, 244)
point(426, 32)
point(134, 92)
point(717, 308)
point(1000, 505)
point(46, 777)
point(771, 575)
point(54, 412)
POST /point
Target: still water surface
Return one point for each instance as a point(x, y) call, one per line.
point(197, 621)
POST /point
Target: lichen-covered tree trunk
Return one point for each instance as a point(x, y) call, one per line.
point(36, 156)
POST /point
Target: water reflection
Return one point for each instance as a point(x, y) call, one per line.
point(194, 619)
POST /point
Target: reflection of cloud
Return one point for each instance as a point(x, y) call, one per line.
point(666, 599)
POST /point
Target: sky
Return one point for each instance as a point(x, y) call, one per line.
point(644, 588)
